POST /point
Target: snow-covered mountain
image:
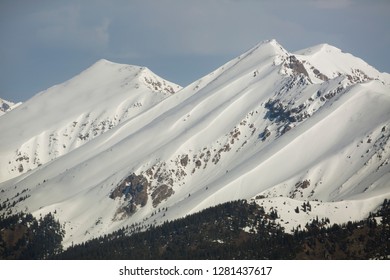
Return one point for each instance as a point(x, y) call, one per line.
point(117, 145)
point(66, 116)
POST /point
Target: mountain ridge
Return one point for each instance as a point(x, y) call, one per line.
point(78, 123)
point(271, 126)
point(7, 106)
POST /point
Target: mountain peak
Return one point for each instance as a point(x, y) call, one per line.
point(155, 82)
point(104, 61)
point(333, 62)
point(272, 46)
point(101, 63)
point(272, 42)
point(263, 53)
point(143, 74)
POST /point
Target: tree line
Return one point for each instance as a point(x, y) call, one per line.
point(233, 230)
point(242, 230)
point(23, 236)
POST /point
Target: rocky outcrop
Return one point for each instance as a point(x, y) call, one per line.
point(133, 190)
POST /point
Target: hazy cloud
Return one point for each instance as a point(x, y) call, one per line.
point(65, 27)
point(332, 4)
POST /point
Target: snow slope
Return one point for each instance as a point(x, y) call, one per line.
point(269, 125)
point(66, 116)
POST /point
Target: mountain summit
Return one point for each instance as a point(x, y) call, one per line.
point(117, 145)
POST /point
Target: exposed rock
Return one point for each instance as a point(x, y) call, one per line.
point(160, 194)
point(296, 65)
point(319, 75)
point(299, 187)
point(265, 134)
point(184, 160)
point(303, 185)
point(132, 189)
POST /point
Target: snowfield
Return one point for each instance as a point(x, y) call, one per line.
point(117, 145)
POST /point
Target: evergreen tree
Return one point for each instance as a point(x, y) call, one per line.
point(36, 239)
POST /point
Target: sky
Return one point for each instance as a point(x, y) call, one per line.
point(45, 42)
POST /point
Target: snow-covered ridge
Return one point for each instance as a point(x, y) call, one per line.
point(68, 115)
point(6, 106)
point(278, 127)
point(333, 62)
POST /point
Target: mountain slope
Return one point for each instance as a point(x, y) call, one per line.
point(269, 125)
point(68, 115)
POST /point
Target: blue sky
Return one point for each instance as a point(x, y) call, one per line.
point(45, 42)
